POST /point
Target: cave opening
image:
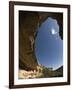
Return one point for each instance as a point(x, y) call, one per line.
point(49, 44)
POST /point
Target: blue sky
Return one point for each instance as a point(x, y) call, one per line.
point(48, 44)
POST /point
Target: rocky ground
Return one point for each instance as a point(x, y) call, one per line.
point(41, 72)
point(28, 74)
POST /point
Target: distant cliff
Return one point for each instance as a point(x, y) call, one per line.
point(59, 71)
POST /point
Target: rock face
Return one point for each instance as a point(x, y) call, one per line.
point(29, 22)
point(28, 25)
